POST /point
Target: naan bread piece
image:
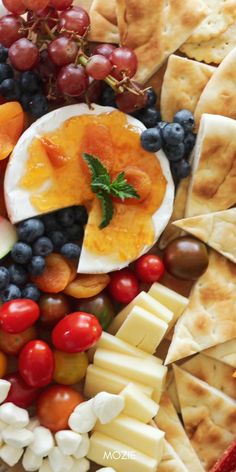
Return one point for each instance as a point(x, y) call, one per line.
point(183, 84)
point(219, 95)
point(154, 29)
point(171, 461)
point(214, 50)
point(103, 22)
point(213, 182)
point(218, 230)
point(209, 417)
point(225, 352)
point(210, 317)
point(168, 421)
point(221, 15)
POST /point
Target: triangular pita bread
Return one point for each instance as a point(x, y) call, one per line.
point(83, 3)
point(171, 461)
point(103, 22)
point(209, 416)
point(225, 352)
point(168, 421)
point(156, 28)
point(213, 182)
point(183, 84)
point(218, 230)
point(210, 317)
point(219, 95)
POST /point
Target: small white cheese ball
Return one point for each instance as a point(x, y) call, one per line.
point(107, 406)
point(14, 415)
point(33, 423)
point(106, 469)
point(30, 461)
point(83, 465)
point(10, 455)
point(4, 389)
point(43, 441)
point(17, 437)
point(83, 448)
point(45, 467)
point(83, 418)
point(68, 441)
point(59, 462)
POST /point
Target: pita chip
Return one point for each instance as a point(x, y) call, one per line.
point(183, 84)
point(156, 28)
point(219, 95)
point(210, 317)
point(83, 3)
point(209, 416)
point(168, 421)
point(103, 22)
point(213, 181)
point(218, 230)
point(171, 461)
point(225, 352)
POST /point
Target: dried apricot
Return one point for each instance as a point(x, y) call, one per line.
point(73, 269)
point(140, 180)
point(56, 275)
point(11, 127)
point(85, 286)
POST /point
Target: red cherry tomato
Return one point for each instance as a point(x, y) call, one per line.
point(77, 332)
point(55, 406)
point(18, 315)
point(11, 344)
point(123, 286)
point(36, 363)
point(20, 393)
point(149, 268)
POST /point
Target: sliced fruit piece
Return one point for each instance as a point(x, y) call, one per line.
point(56, 276)
point(11, 127)
point(8, 236)
point(54, 152)
point(85, 286)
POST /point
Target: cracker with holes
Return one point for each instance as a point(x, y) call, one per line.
point(103, 22)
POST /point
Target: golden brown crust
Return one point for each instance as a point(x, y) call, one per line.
point(225, 352)
point(104, 22)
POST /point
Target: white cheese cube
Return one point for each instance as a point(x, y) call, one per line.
point(17, 437)
point(82, 465)
point(43, 441)
point(171, 299)
point(83, 448)
point(59, 462)
point(4, 389)
point(83, 419)
point(68, 441)
point(107, 406)
point(108, 341)
point(10, 455)
point(45, 467)
point(30, 461)
point(12, 414)
point(138, 405)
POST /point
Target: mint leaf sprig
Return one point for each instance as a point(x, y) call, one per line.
point(105, 189)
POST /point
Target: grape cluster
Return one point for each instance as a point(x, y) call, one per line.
point(60, 231)
point(51, 39)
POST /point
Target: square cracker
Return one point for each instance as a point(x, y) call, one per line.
point(103, 22)
point(156, 28)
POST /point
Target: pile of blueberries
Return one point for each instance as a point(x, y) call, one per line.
point(61, 231)
point(25, 87)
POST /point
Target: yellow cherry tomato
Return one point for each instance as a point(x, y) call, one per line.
point(70, 368)
point(3, 364)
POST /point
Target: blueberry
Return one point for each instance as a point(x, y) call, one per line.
point(189, 142)
point(149, 117)
point(38, 105)
point(10, 89)
point(30, 82)
point(152, 97)
point(173, 134)
point(18, 274)
point(10, 293)
point(32, 292)
point(21, 253)
point(50, 222)
point(4, 277)
point(31, 229)
point(186, 119)
point(42, 246)
point(108, 97)
point(66, 217)
point(37, 265)
point(57, 238)
point(71, 251)
point(161, 125)
point(3, 53)
point(175, 153)
point(151, 140)
point(181, 169)
point(6, 72)
point(75, 232)
point(25, 100)
point(81, 215)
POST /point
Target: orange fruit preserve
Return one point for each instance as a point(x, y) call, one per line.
point(57, 176)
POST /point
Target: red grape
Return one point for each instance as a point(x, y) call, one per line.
point(62, 51)
point(23, 54)
point(10, 27)
point(36, 5)
point(129, 102)
point(61, 4)
point(45, 67)
point(72, 80)
point(124, 61)
point(14, 6)
point(104, 49)
point(94, 91)
point(49, 15)
point(75, 19)
point(98, 67)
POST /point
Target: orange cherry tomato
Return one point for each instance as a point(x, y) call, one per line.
point(12, 344)
point(69, 368)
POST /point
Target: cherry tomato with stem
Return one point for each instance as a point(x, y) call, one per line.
point(149, 268)
point(36, 364)
point(11, 344)
point(123, 286)
point(20, 393)
point(77, 332)
point(18, 315)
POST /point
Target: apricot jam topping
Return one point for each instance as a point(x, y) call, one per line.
point(57, 176)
